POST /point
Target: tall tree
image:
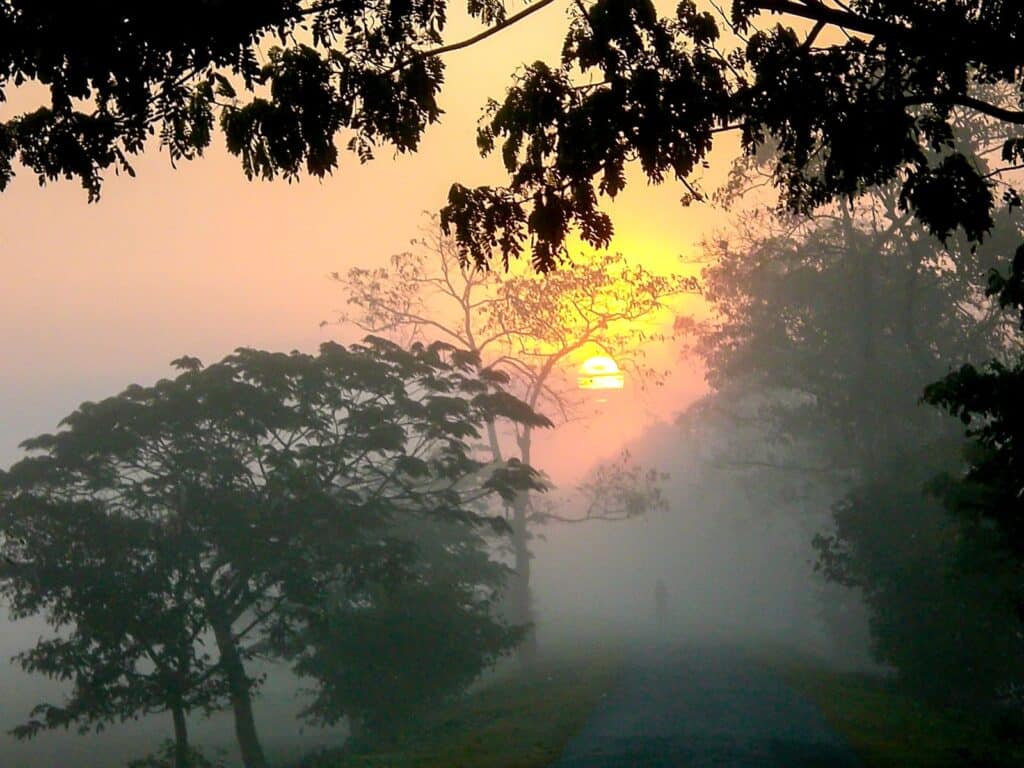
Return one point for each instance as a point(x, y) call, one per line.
point(240, 504)
point(847, 316)
point(987, 496)
point(826, 332)
point(533, 329)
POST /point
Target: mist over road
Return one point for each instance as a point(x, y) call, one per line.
point(697, 707)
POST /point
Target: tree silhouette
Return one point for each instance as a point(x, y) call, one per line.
point(532, 329)
point(851, 95)
point(855, 94)
point(240, 506)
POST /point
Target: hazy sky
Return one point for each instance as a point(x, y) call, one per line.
point(199, 261)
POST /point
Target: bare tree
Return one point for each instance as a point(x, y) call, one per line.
point(531, 328)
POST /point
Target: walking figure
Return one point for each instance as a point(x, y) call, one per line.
point(661, 603)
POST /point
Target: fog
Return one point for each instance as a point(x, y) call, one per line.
point(382, 527)
point(738, 573)
point(774, 503)
point(683, 423)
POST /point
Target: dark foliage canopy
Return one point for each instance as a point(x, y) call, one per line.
point(285, 76)
point(939, 587)
point(988, 401)
point(853, 94)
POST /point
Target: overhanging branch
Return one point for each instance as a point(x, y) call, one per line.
point(473, 40)
point(982, 46)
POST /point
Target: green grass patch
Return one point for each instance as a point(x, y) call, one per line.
point(519, 719)
point(524, 720)
point(890, 729)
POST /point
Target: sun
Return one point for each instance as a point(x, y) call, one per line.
point(600, 372)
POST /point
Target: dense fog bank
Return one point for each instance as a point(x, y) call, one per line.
point(737, 563)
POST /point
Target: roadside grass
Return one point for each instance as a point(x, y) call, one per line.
point(515, 720)
point(524, 720)
point(889, 729)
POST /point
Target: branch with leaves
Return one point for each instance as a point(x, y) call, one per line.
point(612, 492)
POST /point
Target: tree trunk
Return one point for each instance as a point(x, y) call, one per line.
point(181, 750)
point(874, 421)
point(520, 609)
point(356, 731)
point(493, 443)
point(868, 422)
point(241, 696)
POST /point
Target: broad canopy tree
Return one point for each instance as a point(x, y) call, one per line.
point(266, 505)
point(134, 644)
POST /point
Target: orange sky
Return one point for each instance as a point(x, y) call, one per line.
point(198, 260)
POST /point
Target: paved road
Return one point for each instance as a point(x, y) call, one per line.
point(704, 708)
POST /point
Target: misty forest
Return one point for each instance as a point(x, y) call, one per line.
point(569, 383)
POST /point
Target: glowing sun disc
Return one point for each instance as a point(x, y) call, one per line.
point(600, 372)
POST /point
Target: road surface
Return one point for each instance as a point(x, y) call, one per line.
point(704, 708)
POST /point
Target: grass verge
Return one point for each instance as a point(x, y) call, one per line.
point(524, 720)
point(889, 729)
point(517, 720)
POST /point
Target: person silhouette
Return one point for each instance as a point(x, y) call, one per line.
point(661, 603)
